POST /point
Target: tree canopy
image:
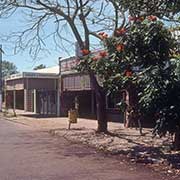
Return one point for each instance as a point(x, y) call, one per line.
point(141, 55)
point(164, 9)
point(41, 66)
point(8, 68)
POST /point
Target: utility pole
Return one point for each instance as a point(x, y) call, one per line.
point(1, 52)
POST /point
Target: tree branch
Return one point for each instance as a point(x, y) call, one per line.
point(82, 17)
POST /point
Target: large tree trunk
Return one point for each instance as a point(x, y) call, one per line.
point(177, 140)
point(100, 104)
point(101, 111)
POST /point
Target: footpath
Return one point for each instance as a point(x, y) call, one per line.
point(153, 152)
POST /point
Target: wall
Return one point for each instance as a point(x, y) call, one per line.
point(33, 83)
point(17, 84)
point(76, 82)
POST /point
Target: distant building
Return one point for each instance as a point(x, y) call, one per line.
point(33, 91)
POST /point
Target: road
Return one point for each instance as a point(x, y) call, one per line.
point(27, 153)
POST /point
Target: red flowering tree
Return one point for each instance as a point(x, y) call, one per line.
point(140, 56)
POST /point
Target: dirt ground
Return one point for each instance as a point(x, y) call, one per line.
point(153, 152)
point(29, 153)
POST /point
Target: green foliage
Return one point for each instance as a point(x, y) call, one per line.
point(8, 68)
point(122, 106)
point(150, 46)
point(176, 63)
point(41, 66)
point(160, 8)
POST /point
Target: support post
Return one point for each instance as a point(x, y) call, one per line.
point(35, 107)
point(25, 99)
point(58, 99)
point(14, 102)
point(26, 94)
point(5, 98)
point(59, 90)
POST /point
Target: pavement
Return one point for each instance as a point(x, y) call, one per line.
point(152, 152)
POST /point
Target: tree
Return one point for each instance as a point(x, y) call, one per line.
point(148, 45)
point(41, 66)
point(8, 68)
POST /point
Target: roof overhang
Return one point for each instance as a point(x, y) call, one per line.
point(32, 75)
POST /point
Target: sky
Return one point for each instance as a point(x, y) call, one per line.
point(23, 60)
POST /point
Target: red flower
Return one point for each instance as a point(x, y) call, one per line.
point(120, 31)
point(85, 52)
point(120, 47)
point(152, 18)
point(103, 54)
point(128, 73)
point(103, 35)
point(141, 18)
point(95, 58)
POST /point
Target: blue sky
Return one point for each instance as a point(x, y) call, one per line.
point(23, 60)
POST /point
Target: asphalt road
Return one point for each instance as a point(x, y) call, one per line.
point(32, 154)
